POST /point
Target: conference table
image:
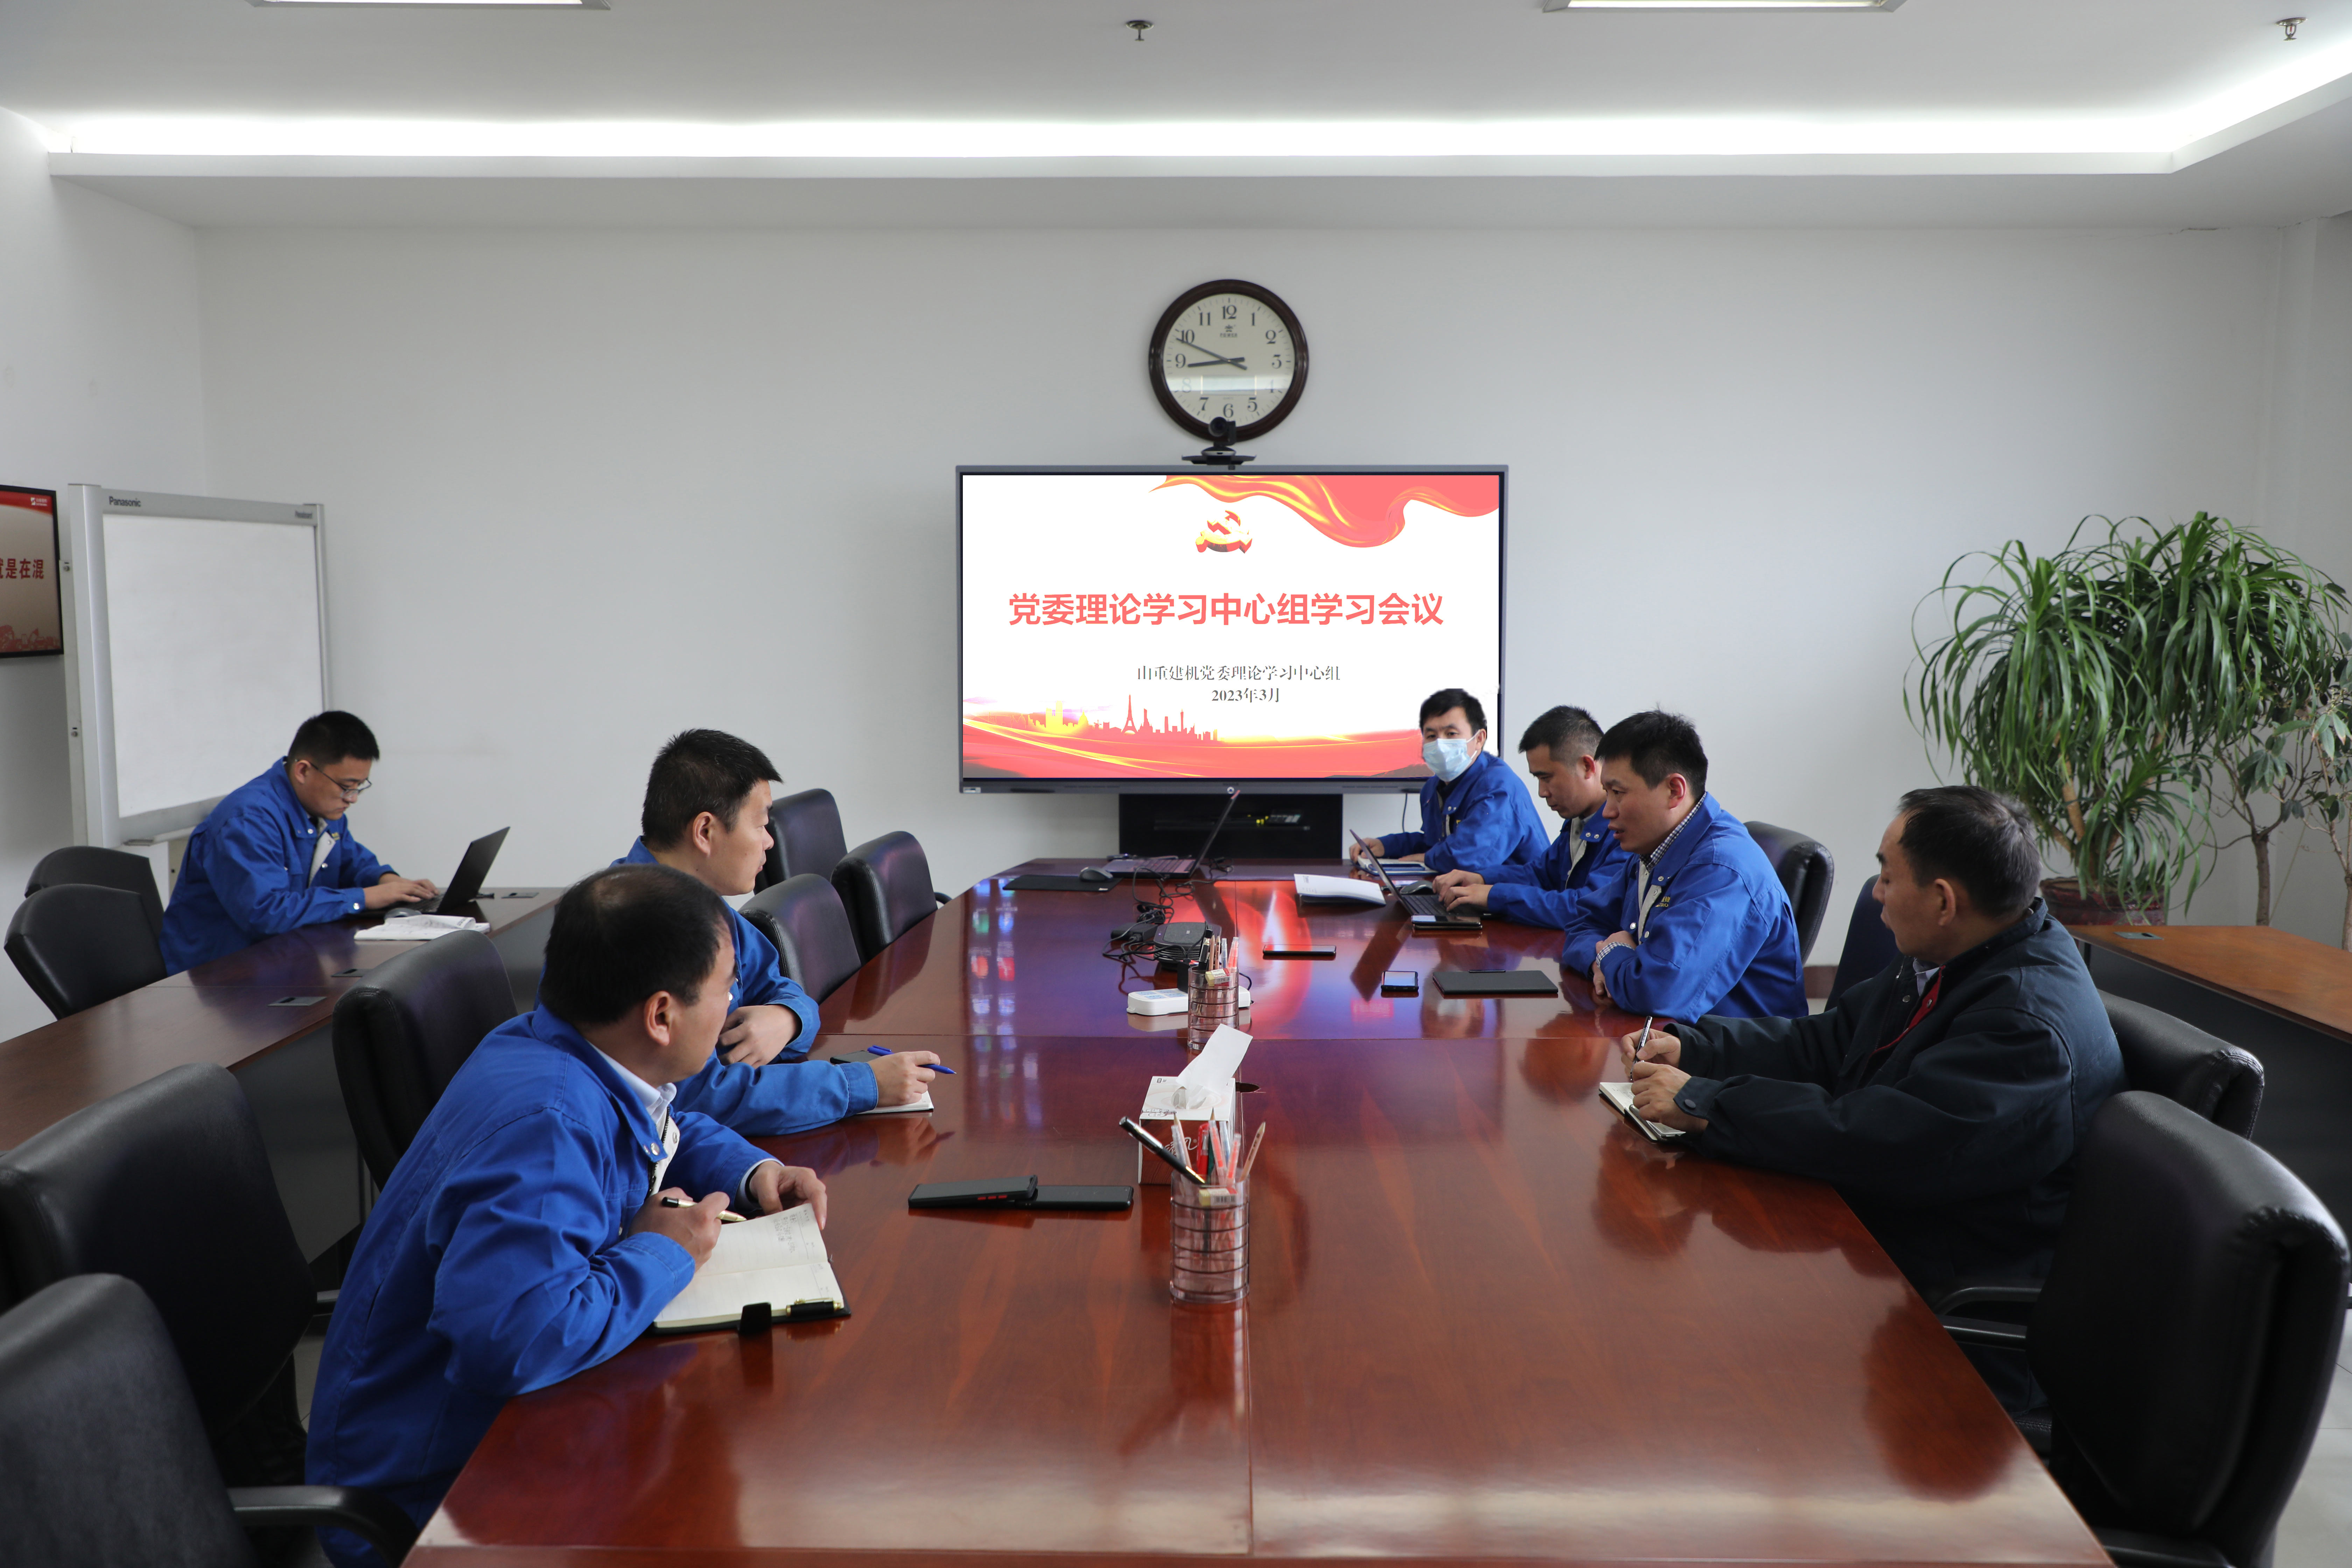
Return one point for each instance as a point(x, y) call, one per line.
point(1488, 1319)
point(262, 1013)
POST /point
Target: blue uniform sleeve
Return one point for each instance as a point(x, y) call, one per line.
point(1599, 915)
point(353, 865)
point(533, 1282)
point(257, 891)
point(1494, 827)
point(709, 1158)
point(1533, 905)
point(1398, 844)
point(786, 1097)
point(1700, 939)
point(1986, 1109)
point(761, 982)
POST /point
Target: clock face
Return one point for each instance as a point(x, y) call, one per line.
point(1228, 350)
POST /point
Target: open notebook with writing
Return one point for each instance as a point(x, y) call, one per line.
point(779, 1258)
point(1621, 1095)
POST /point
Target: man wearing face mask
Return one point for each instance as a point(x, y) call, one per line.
point(706, 814)
point(1696, 921)
point(1474, 814)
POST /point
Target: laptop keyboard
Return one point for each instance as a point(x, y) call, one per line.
point(1158, 865)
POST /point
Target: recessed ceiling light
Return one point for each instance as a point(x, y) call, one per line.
point(475, 5)
point(1721, 4)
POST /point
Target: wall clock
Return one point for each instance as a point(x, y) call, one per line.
point(1228, 350)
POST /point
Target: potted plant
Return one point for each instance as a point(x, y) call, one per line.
point(2104, 685)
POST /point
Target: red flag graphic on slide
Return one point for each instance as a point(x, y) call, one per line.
point(1359, 510)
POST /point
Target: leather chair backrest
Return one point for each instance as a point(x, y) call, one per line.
point(88, 864)
point(2187, 1333)
point(401, 1035)
point(885, 884)
point(1807, 873)
point(102, 1456)
point(1869, 946)
point(804, 917)
point(77, 945)
point(807, 832)
point(2187, 1066)
point(167, 1185)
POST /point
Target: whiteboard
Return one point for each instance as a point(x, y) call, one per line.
point(196, 644)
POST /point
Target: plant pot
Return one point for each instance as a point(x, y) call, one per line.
point(2064, 897)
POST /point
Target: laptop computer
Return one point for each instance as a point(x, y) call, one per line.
point(1175, 865)
point(472, 872)
point(1424, 908)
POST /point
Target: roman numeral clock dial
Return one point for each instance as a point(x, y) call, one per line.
point(1228, 350)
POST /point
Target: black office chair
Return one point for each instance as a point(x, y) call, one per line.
point(1807, 873)
point(102, 1458)
point(804, 917)
point(1869, 946)
point(808, 839)
point(2187, 1336)
point(401, 1035)
point(2187, 1066)
point(167, 1183)
point(87, 865)
point(77, 945)
point(885, 884)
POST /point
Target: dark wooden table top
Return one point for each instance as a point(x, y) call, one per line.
point(229, 1011)
point(2263, 966)
point(1489, 1320)
point(997, 962)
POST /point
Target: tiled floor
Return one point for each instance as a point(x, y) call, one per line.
point(2318, 1529)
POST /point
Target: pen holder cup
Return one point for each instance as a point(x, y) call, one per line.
point(1210, 1004)
point(1208, 1242)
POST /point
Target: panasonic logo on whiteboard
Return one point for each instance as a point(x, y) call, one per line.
point(121, 500)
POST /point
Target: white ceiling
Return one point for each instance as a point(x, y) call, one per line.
point(1979, 70)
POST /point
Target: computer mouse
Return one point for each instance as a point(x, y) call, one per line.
point(1095, 875)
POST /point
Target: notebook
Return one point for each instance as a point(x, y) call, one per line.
point(920, 1102)
point(779, 1258)
point(1347, 889)
point(1621, 1095)
point(1495, 982)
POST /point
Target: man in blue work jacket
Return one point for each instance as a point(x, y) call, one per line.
point(523, 1237)
point(276, 853)
point(706, 814)
point(1696, 921)
point(1558, 747)
point(1946, 1096)
point(1474, 816)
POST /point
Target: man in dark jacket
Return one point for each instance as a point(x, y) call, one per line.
point(1946, 1097)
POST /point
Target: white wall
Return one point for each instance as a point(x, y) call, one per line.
point(617, 483)
point(98, 383)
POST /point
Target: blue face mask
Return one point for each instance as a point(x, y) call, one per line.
point(1449, 759)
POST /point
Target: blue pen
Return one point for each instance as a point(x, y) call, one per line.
point(885, 1050)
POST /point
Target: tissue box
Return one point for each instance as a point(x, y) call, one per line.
point(1159, 1114)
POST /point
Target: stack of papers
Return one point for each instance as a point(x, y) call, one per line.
point(1351, 889)
point(420, 928)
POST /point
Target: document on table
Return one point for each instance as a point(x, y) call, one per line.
point(920, 1102)
point(1621, 1095)
point(1350, 890)
point(779, 1258)
point(419, 928)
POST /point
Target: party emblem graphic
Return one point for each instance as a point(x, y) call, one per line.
point(1223, 537)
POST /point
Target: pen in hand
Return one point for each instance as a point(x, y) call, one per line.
point(1643, 1043)
point(885, 1050)
point(727, 1217)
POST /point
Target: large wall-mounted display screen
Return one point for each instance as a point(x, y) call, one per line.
point(1151, 628)
point(32, 613)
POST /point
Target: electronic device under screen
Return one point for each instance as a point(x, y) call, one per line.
point(1158, 629)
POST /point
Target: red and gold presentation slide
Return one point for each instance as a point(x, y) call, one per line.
point(1222, 625)
point(30, 621)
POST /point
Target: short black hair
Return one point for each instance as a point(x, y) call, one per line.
point(1657, 745)
point(326, 739)
point(1566, 733)
point(699, 771)
point(623, 934)
point(1439, 704)
point(1975, 838)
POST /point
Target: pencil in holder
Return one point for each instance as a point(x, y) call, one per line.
point(1208, 1242)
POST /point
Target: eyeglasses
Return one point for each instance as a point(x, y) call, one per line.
point(351, 791)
